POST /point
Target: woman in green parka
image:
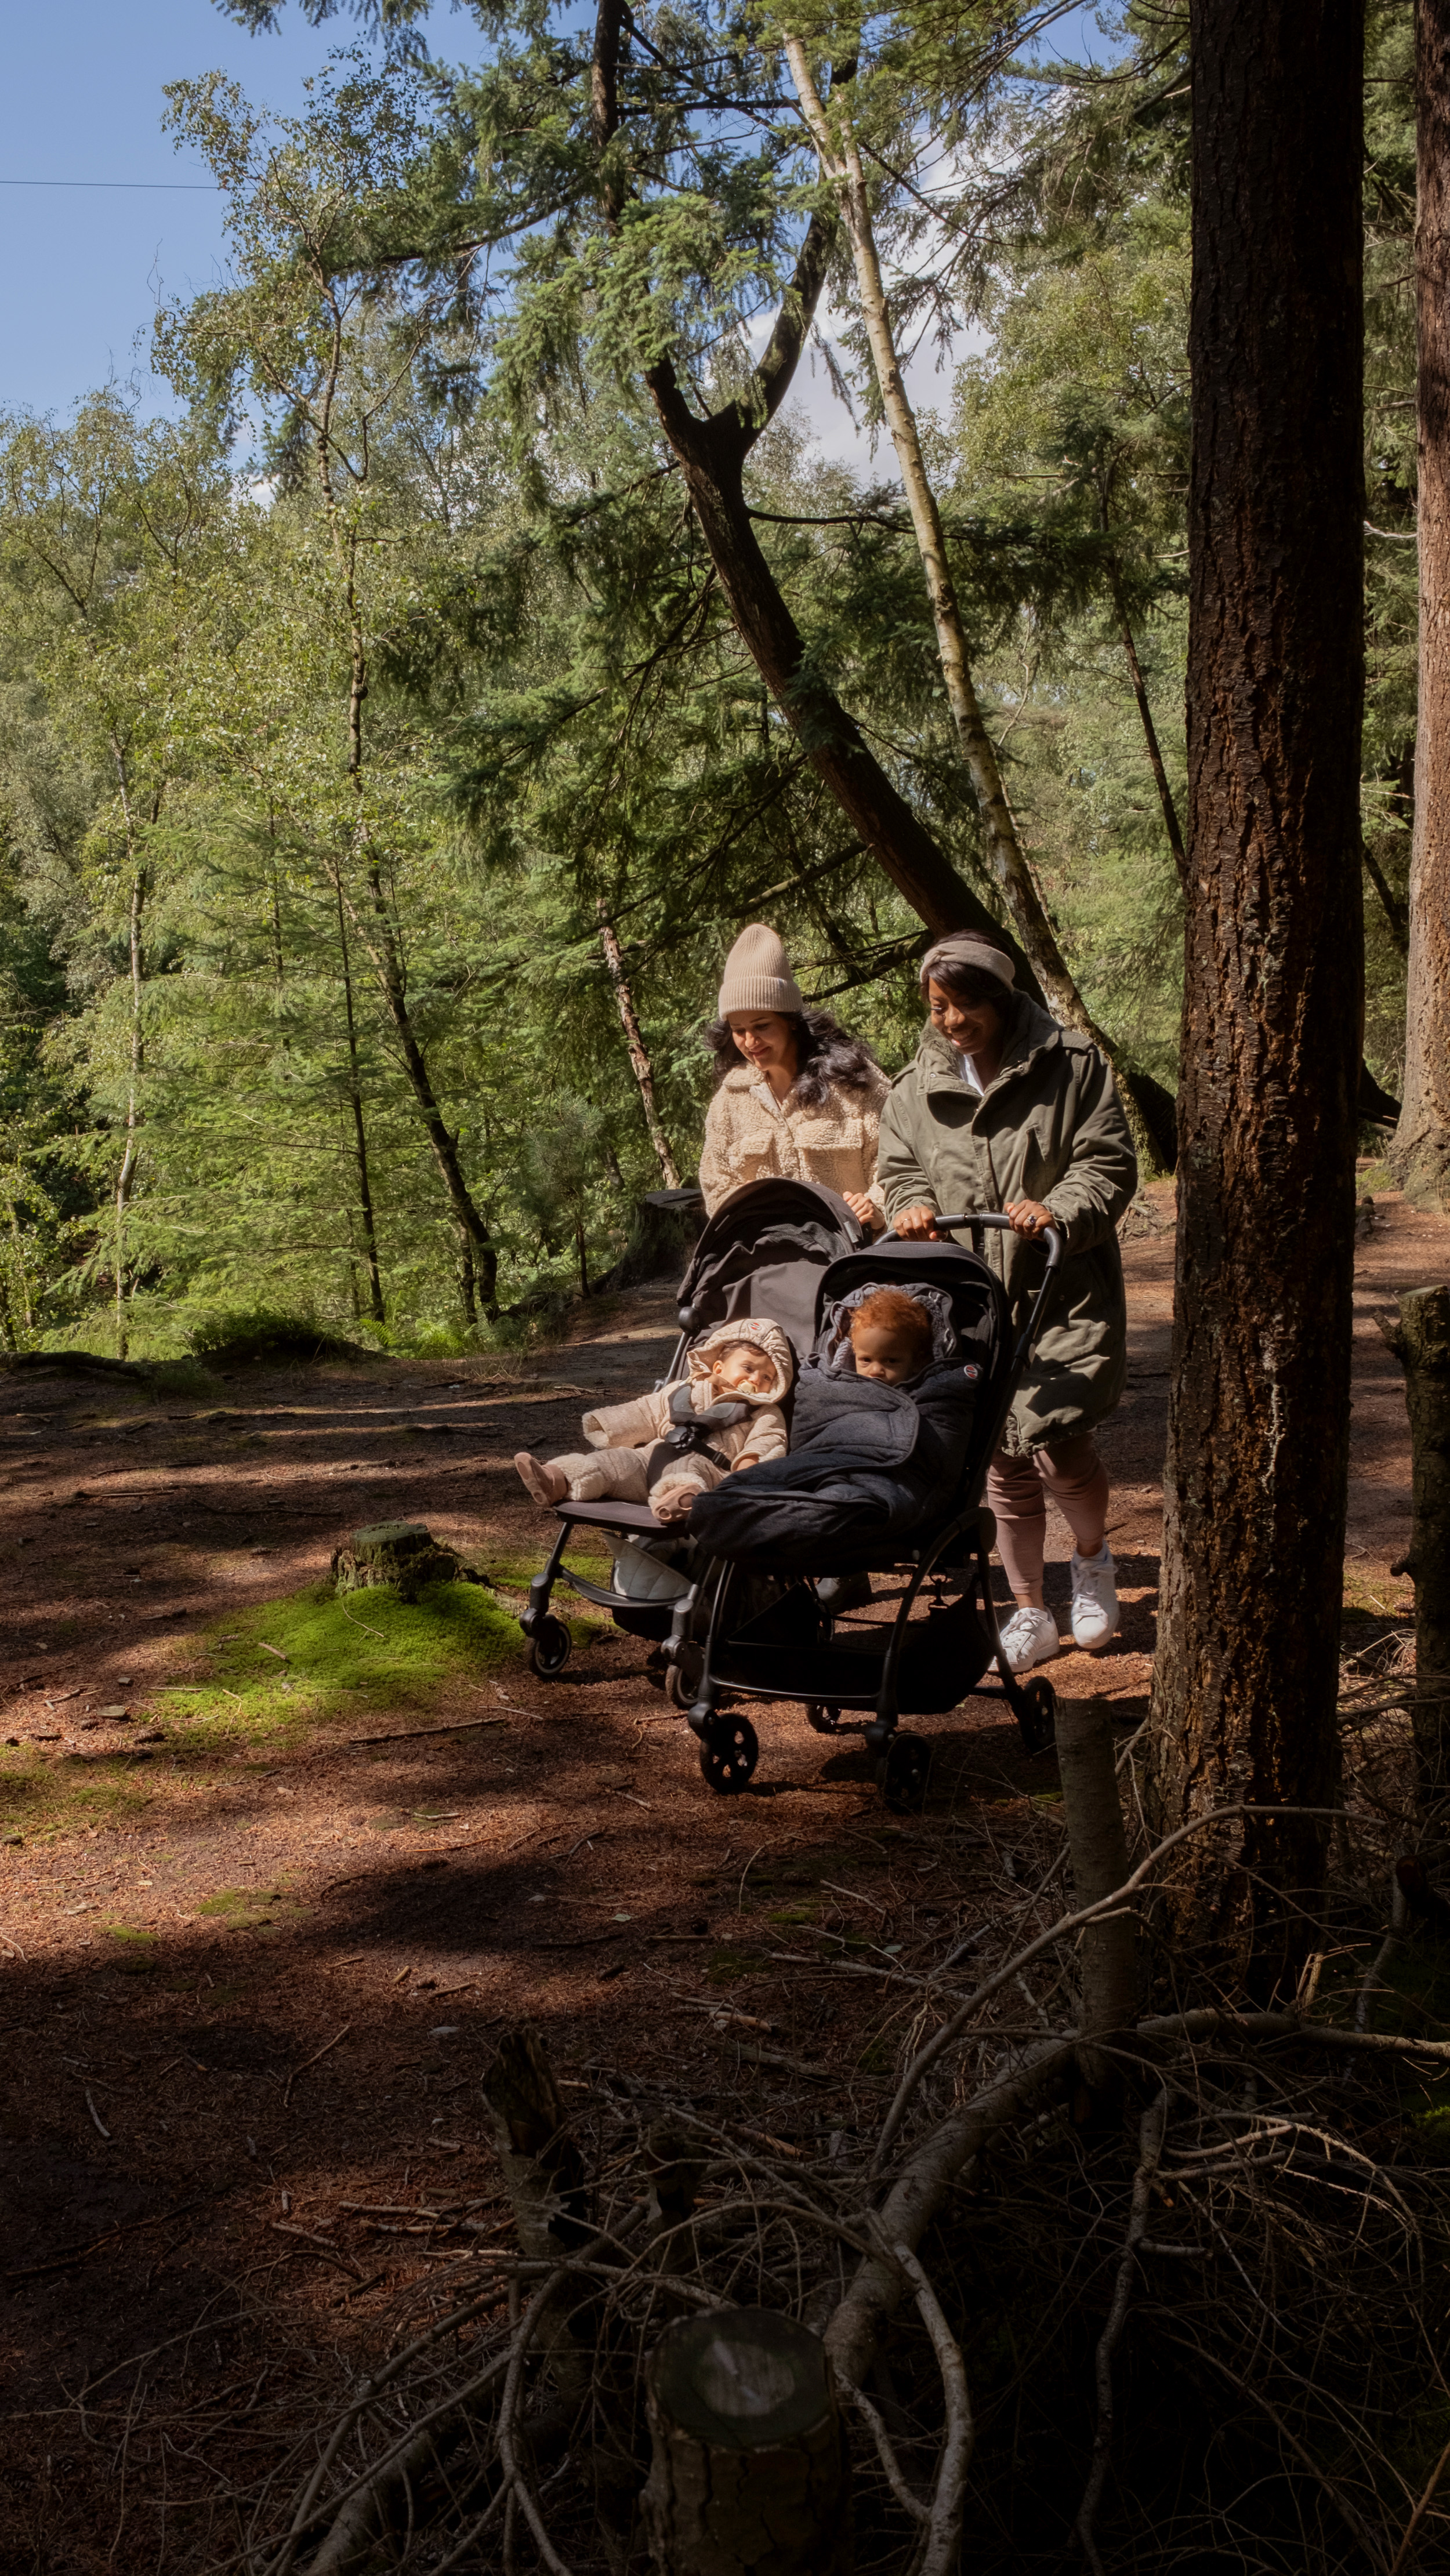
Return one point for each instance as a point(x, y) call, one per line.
point(1002, 1109)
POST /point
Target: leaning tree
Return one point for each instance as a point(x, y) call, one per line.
point(627, 197)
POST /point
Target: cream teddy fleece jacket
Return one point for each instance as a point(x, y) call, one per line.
point(752, 1136)
point(647, 1417)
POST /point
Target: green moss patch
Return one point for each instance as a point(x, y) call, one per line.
point(313, 1657)
point(248, 1909)
point(727, 1966)
point(37, 1797)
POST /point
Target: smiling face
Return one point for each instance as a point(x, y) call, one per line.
point(884, 1352)
point(767, 1041)
point(742, 1371)
point(975, 1029)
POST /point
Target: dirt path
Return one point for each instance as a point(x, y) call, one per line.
point(185, 1927)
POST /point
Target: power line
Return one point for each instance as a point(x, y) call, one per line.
point(187, 187)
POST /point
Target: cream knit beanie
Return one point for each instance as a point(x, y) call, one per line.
point(758, 976)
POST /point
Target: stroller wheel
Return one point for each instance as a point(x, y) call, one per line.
point(549, 1647)
point(682, 1680)
point(824, 1720)
point(902, 1771)
point(1037, 1724)
point(729, 1753)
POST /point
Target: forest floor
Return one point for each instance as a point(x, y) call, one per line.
point(245, 1954)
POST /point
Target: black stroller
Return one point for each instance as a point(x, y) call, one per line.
point(734, 1629)
point(764, 1252)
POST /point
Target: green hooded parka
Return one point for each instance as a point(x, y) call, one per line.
point(1049, 1126)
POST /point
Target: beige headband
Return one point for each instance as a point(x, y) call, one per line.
point(965, 948)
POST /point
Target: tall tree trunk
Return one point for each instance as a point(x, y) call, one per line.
point(1420, 1341)
point(359, 1132)
point(1245, 1684)
point(1394, 911)
point(140, 888)
point(712, 450)
point(480, 1266)
point(638, 1052)
point(712, 455)
point(129, 1159)
point(1420, 1151)
point(22, 1275)
point(1167, 806)
point(834, 137)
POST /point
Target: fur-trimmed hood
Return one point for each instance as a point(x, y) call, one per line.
point(766, 1337)
point(834, 1351)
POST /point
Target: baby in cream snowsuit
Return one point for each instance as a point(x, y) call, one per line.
point(746, 1362)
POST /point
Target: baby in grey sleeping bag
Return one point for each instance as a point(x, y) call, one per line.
point(882, 1430)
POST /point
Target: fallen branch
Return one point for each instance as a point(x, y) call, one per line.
point(315, 2059)
point(942, 2553)
point(917, 2195)
point(1099, 1912)
point(415, 1734)
point(1212, 2019)
point(362, 2509)
point(507, 2448)
point(1398, 1911)
point(1150, 2148)
point(319, 2244)
point(909, 2503)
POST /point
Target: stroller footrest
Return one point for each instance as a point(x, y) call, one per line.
point(630, 1516)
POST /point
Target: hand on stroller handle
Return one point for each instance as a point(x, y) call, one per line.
point(1050, 1234)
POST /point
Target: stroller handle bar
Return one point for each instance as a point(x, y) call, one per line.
point(1002, 1224)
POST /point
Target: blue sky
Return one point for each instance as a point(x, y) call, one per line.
point(83, 268)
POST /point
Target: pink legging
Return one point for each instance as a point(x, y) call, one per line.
point(1017, 1488)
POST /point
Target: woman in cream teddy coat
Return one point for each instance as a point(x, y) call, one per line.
point(618, 1466)
point(796, 1097)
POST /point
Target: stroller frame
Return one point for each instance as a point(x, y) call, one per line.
point(692, 1630)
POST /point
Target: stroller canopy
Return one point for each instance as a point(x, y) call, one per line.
point(765, 1252)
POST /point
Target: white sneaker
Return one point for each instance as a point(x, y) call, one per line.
point(1094, 1599)
point(1030, 1637)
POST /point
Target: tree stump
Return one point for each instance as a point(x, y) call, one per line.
point(1421, 1343)
point(402, 1555)
point(1099, 1846)
point(750, 2475)
point(662, 1235)
point(546, 2182)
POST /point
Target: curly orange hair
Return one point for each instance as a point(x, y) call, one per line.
point(890, 1310)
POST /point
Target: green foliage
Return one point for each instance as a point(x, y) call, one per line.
point(256, 1332)
point(321, 767)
